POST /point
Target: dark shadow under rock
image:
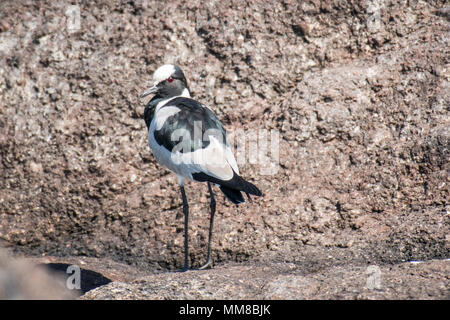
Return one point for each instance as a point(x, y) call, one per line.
point(88, 279)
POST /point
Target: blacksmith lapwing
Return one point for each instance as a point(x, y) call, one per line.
point(187, 137)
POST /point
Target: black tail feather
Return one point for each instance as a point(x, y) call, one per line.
point(236, 183)
point(233, 195)
point(246, 186)
point(231, 188)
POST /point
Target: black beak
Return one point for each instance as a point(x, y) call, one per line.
point(150, 90)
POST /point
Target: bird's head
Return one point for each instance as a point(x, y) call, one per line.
point(168, 81)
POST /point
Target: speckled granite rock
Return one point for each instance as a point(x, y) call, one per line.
point(358, 91)
point(424, 280)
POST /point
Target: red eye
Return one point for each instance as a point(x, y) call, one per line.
point(170, 79)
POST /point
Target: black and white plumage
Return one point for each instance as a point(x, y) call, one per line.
point(187, 137)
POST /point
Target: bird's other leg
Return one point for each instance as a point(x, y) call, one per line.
point(186, 228)
point(212, 206)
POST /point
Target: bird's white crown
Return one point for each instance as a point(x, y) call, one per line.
point(163, 72)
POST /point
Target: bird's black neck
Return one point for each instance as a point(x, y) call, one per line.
point(149, 110)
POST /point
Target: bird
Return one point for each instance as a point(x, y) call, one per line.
point(187, 137)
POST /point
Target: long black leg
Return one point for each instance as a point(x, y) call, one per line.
point(212, 206)
point(186, 228)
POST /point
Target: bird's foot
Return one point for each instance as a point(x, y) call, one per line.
point(207, 265)
point(185, 268)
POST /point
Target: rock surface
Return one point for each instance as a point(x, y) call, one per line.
point(419, 280)
point(358, 92)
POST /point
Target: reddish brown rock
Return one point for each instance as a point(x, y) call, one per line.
point(358, 93)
